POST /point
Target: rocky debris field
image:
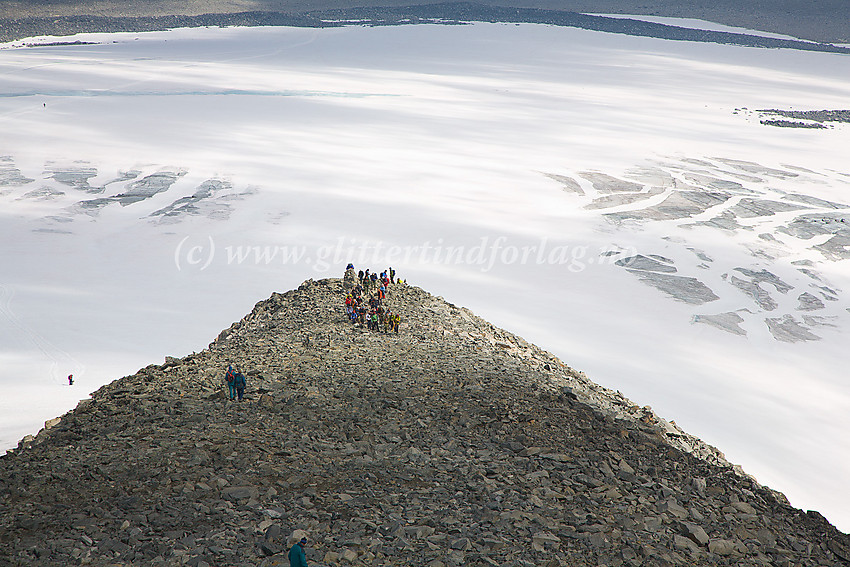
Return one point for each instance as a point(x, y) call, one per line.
point(451, 443)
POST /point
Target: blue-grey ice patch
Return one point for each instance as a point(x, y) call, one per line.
point(656, 270)
point(716, 184)
point(618, 199)
point(758, 169)
point(808, 269)
point(750, 208)
point(641, 262)
point(745, 198)
point(54, 218)
point(55, 224)
point(679, 205)
point(202, 202)
point(814, 201)
point(809, 302)
point(837, 247)
point(800, 169)
point(91, 207)
point(766, 277)
point(729, 322)
point(701, 255)
point(828, 293)
point(724, 221)
point(605, 184)
point(758, 294)
point(125, 176)
point(789, 330)
point(815, 224)
point(10, 175)
point(811, 273)
point(135, 192)
point(689, 290)
point(836, 224)
point(661, 258)
point(52, 230)
point(75, 175)
point(568, 183)
point(45, 193)
point(148, 186)
point(652, 176)
point(698, 162)
point(820, 320)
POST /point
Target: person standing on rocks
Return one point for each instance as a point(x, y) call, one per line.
point(297, 557)
point(230, 378)
point(349, 280)
point(239, 383)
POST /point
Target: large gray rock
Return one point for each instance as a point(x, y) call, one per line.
point(696, 533)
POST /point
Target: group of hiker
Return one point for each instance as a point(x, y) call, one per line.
point(236, 383)
point(364, 303)
point(364, 306)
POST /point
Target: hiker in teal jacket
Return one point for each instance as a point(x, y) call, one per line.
point(297, 557)
point(240, 384)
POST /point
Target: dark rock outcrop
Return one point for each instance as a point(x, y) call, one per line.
point(451, 443)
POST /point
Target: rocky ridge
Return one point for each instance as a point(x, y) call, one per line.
point(452, 443)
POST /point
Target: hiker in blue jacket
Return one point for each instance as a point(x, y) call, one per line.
point(297, 557)
point(240, 384)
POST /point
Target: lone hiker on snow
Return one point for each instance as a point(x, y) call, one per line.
point(297, 557)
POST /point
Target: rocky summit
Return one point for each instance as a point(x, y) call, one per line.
point(450, 443)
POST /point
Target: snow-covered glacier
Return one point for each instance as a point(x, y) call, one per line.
point(626, 203)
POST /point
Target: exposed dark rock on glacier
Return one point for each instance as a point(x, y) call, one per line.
point(789, 330)
point(689, 290)
point(729, 322)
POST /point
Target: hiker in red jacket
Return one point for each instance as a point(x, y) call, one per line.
point(230, 378)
